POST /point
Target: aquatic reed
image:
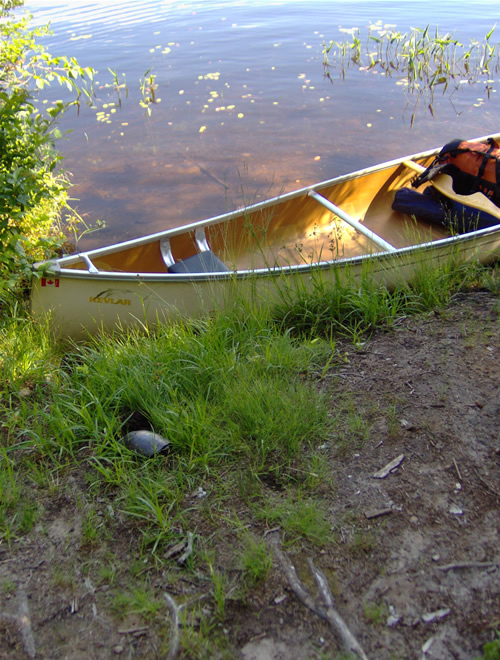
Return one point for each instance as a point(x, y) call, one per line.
point(422, 60)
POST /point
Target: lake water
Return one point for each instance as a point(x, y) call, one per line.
point(246, 111)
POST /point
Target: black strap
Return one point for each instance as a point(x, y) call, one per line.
point(486, 156)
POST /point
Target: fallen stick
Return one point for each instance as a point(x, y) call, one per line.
point(457, 470)
point(297, 587)
point(333, 617)
point(385, 471)
point(188, 551)
point(133, 631)
point(325, 611)
point(468, 564)
point(204, 170)
point(174, 611)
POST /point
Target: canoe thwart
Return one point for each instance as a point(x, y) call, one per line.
point(414, 166)
point(88, 262)
point(375, 238)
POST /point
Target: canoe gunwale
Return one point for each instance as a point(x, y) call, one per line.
point(71, 273)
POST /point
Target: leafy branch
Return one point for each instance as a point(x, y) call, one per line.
point(32, 190)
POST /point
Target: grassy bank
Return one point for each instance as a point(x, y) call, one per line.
point(239, 399)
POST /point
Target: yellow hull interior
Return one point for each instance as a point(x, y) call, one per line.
point(290, 231)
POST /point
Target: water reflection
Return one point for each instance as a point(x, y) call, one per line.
point(245, 110)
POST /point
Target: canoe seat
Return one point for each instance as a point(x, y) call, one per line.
point(203, 262)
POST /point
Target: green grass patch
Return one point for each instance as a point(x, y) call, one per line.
point(236, 396)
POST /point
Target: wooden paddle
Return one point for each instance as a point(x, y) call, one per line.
point(443, 183)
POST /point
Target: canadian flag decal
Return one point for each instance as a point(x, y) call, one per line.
point(48, 281)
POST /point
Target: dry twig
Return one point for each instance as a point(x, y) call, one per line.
point(396, 462)
point(188, 551)
point(468, 564)
point(457, 470)
point(325, 610)
point(174, 610)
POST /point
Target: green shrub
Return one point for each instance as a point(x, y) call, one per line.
point(32, 192)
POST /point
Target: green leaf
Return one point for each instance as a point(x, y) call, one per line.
point(490, 32)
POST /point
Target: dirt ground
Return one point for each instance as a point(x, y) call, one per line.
point(415, 566)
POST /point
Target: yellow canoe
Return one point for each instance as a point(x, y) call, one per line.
point(342, 226)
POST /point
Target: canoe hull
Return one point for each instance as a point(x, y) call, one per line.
point(339, 228)
point(81, 305)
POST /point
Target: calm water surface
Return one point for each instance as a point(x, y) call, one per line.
point(246, 111)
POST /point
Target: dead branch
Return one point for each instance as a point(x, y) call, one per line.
point(297, 587)
point(468, 564)
point(333, 617)
point(188, 551)
point(324, 610)
point(174, 611)
point(133, 631)
point(390, 467)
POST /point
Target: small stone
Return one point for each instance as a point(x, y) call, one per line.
point(392, 621)
point(436, 556)
point(393, 618)
point(118, 649)
point(456, 510)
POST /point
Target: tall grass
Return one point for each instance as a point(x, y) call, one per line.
point(343, 307)
point(235, 396)
point(355, 305)
point(218, 390)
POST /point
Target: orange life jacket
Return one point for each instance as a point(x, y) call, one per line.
point(473, 166)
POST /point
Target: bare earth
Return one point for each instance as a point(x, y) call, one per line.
point(415, 566)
